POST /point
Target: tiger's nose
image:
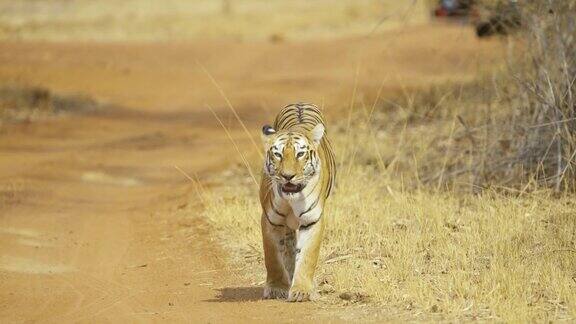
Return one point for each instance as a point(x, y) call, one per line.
point(288, 176)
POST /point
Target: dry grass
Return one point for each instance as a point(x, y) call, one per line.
point(416, 249)
point(180, 19)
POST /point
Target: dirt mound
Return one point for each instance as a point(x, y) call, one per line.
point(25, 104)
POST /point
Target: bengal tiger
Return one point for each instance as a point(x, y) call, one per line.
point(298, 176)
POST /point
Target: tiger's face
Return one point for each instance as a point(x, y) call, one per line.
point(291, 157)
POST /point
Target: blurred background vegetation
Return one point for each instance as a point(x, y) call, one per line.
point(182, 19)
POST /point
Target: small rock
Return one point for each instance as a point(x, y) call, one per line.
point(326, 289)
point(377, 263)
point(356, 297)
point(400, 224)
point(276, 38)
point(346, 296)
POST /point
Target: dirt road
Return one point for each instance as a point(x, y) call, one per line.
point(91, 227)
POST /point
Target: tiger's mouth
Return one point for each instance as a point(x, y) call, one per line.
point(292, 188)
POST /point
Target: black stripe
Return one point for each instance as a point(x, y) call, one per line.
point(311, 207)
point(269, 221)
point(305, 227)
point(276, 210)
point(313, 189)
point(300, 112)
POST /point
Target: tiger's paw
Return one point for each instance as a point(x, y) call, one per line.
point(275, 293)
point(300, 295)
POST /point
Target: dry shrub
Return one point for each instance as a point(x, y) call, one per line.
point(435, 138)
point(545, 125)
point(514, 129)
point(532, 142)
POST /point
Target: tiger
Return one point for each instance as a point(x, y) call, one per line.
point(298, 175)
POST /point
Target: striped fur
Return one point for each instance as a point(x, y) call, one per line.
point(297, 178)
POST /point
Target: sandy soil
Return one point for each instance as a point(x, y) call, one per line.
point(91, 227)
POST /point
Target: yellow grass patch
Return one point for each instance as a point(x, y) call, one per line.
point(488, 256)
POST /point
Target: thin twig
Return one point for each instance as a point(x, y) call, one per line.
point(246, 163)
point(221, 91)
point(196, 185)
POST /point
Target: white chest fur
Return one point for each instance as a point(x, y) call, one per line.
point(299, 209)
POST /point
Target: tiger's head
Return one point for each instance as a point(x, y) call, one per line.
point(292, 157)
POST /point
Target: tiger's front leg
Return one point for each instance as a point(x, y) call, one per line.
point(308, 241)
point(277, 280)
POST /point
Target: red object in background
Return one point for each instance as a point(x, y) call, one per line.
point(440, 12)
point(450, 8)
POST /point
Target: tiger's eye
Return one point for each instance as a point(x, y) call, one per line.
point(278, 155)
point(300, 154)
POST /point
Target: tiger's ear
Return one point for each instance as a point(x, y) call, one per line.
point(267, 132)
point(317, 133)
